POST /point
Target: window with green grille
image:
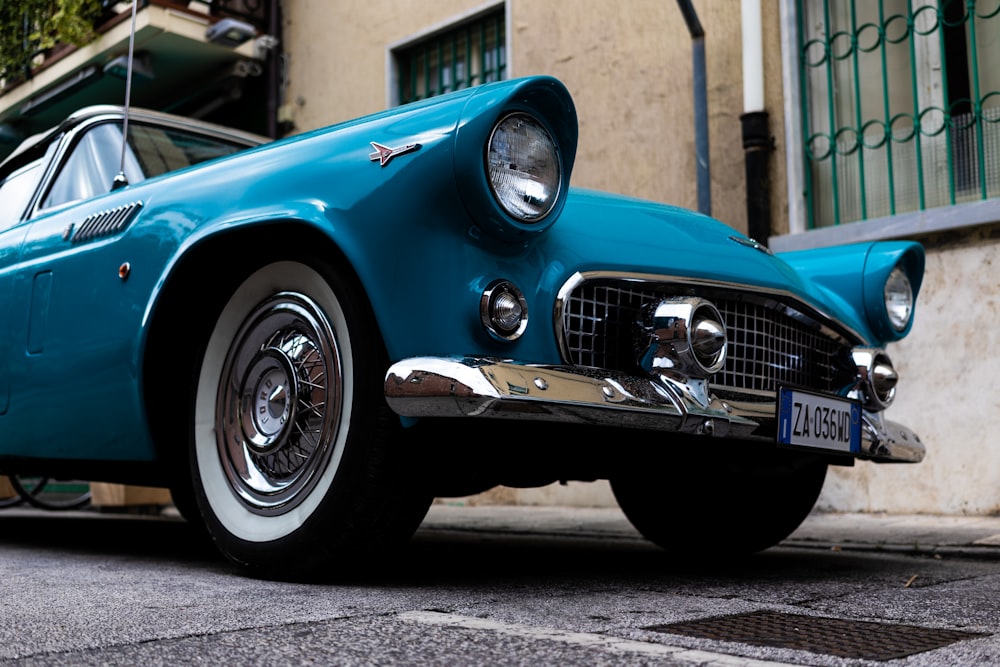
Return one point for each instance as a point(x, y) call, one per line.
point(901, 105)
point(468, 54)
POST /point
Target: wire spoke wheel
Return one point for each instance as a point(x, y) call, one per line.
point(295, 457)
point(279, 403)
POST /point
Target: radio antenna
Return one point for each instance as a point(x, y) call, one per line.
point(121, 179)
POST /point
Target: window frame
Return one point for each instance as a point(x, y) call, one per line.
point(450, 24)
point(25, 170)
point(65, 164)
point(60, 143)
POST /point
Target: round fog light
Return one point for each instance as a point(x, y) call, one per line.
point(681, 335)
point(708, 339)
point(883, 380)
point(877, 376)
point(503, 310)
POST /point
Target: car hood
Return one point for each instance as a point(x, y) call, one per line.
point(638, 236)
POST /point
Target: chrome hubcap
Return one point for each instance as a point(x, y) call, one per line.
point(266, 404)
point(279, 403)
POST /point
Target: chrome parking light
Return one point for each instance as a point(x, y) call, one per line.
point(503, 310)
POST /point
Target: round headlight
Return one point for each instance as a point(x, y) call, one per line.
point(524, 167)
point(898, 299)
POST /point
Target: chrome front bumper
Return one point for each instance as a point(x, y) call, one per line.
point(500, 388)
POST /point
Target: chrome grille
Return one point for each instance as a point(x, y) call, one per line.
point(767, 347)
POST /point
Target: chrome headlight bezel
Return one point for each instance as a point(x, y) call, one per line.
point(548, 103)
point(893, 272)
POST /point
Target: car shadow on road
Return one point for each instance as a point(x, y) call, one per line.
point(88, 532)
point(443, 556)
point(433, 557)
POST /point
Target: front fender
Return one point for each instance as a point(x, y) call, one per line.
point(857, 274)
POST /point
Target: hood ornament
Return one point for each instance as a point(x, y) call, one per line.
point(751, 243)
point(383, 154)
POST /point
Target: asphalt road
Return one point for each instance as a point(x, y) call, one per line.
point(481, 588)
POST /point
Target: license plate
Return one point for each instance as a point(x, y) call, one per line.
point(821, 422)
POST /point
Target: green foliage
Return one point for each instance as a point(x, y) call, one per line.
point(29, 27)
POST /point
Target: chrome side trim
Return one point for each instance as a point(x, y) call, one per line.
point(501, 388)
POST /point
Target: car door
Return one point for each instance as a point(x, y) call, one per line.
point(16, 190)
point(74, 321)
point(85, 271)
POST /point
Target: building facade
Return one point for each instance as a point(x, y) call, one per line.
point(883, 117)
point(808, 122)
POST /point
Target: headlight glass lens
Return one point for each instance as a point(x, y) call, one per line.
point(898, 299)
point(507, 312)
point(524, 167)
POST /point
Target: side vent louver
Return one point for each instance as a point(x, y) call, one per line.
point(106, 223)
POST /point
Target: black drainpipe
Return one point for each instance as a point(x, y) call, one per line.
point(757, 146)
point(274, 70)
point(700, 106)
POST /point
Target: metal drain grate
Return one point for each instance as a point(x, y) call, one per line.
point(831, 636)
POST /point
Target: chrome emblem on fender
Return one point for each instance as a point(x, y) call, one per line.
point(383, 154)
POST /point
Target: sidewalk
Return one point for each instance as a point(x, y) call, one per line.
point(965, 536)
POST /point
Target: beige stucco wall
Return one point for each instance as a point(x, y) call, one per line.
point(948, 391)
point(337, 52)
point(629, 69)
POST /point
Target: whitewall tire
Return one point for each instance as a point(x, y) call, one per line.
point(291, 461)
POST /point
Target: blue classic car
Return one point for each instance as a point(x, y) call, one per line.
point(308, 340)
